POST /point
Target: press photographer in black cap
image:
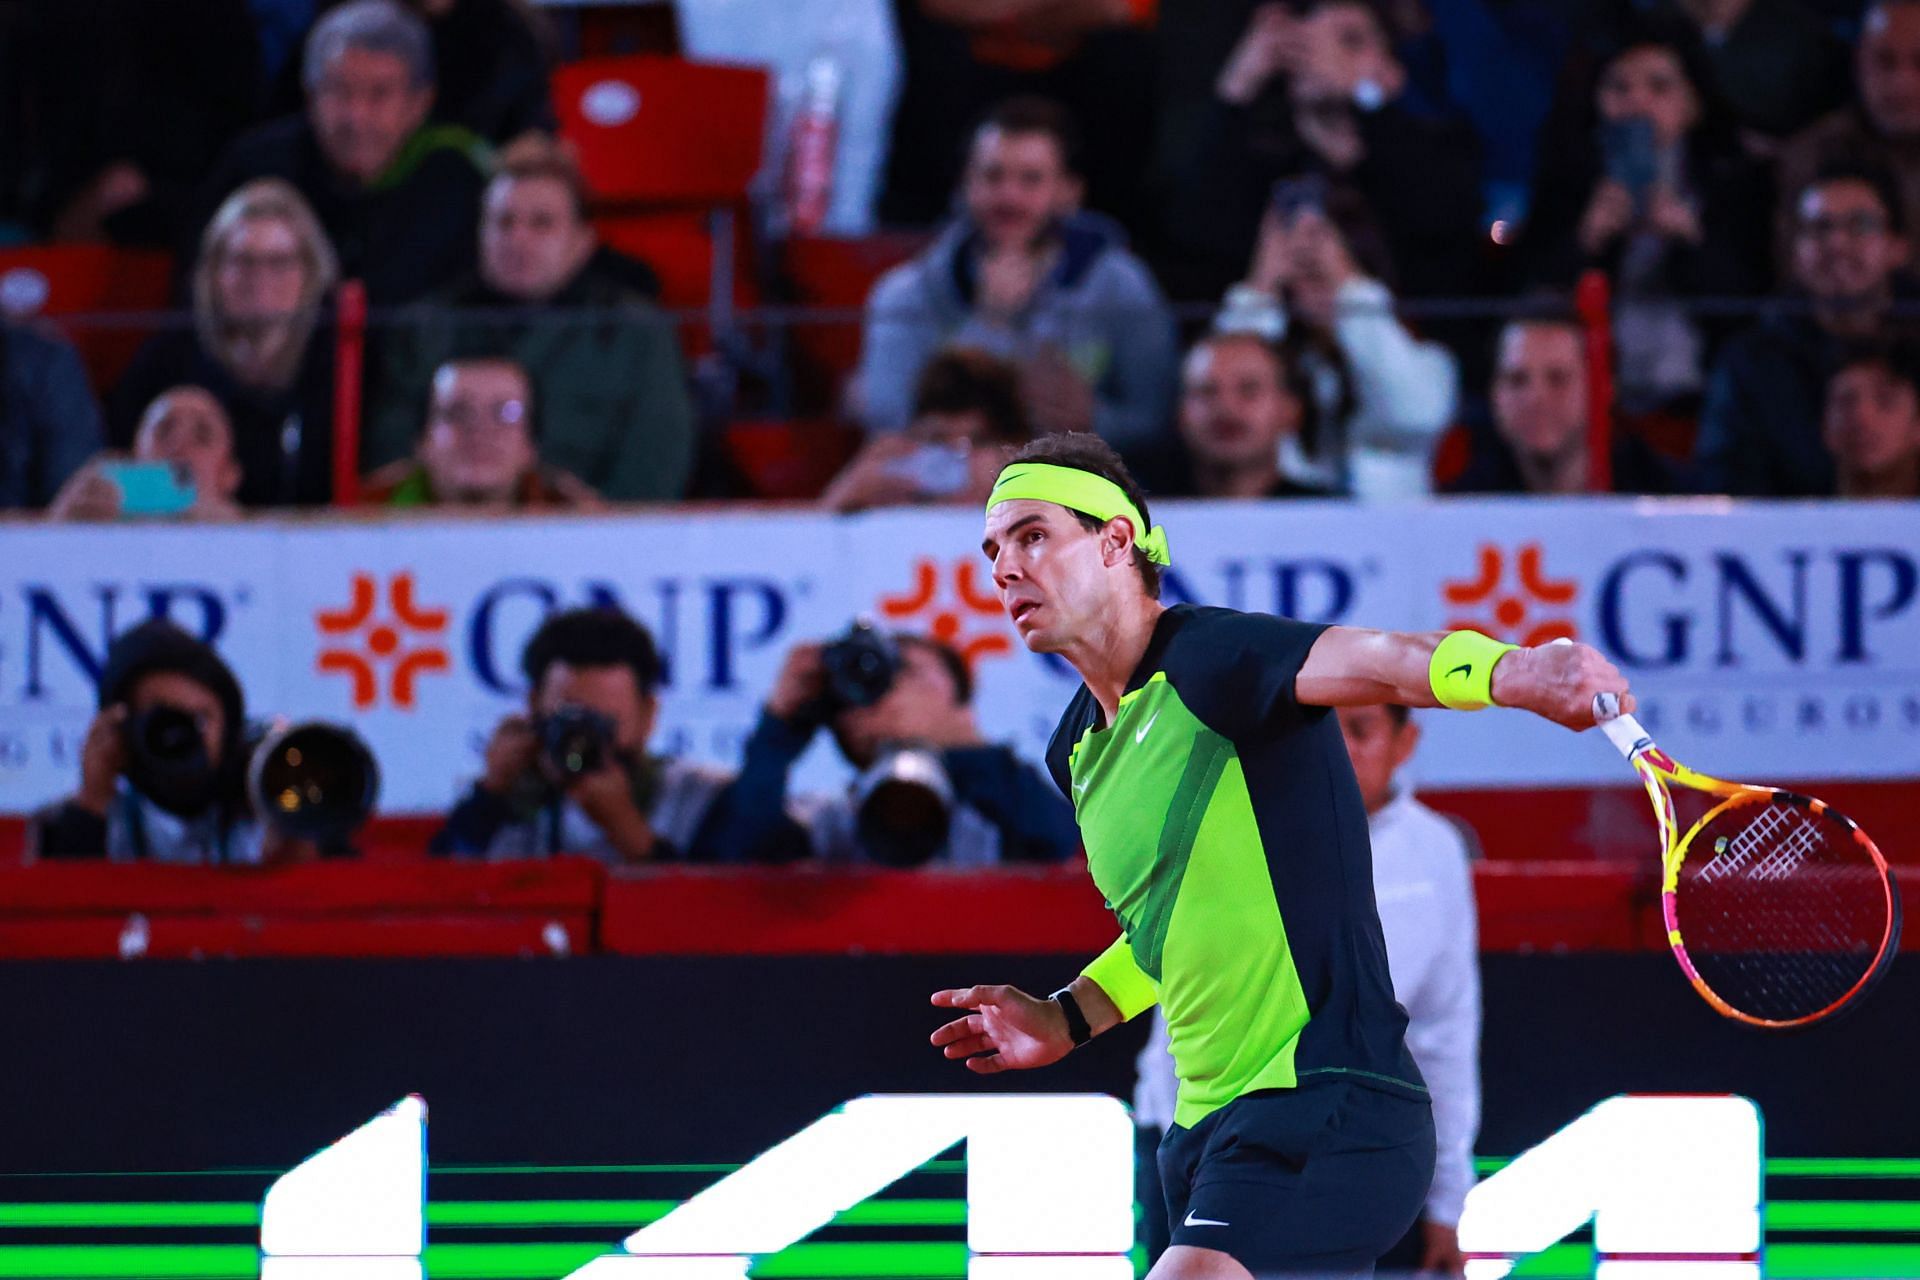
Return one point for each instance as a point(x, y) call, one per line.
point(929, 787)
point(160, 770)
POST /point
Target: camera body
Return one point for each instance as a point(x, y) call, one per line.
point(861, 665)
point(575, 741)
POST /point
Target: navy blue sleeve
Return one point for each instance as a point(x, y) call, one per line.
point(748, 821)
point(1073, 722)
point(471, 827)
point(1236, 671)
point(1035, 823)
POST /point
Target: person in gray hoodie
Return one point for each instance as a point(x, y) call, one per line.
point(1024, 274)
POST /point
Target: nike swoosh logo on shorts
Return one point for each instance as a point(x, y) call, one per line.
point(1192, 1221)
point(1142, 735)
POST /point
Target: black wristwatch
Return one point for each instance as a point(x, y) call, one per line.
point(1077, 1029)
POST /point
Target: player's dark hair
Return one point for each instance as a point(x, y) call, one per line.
point(1030, 114)
point(963, 380)
point(1084, 451)
point(948, 657)
point(598, 636)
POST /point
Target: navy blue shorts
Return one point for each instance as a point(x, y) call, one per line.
point(1323, 1178)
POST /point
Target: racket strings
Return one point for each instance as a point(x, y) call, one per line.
point(1781, 911)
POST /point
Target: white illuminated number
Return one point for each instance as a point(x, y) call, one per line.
point(1049, 1188)
point(1672, 1185)
point(355, 1211)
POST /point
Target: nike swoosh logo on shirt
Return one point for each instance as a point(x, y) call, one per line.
point(1142, 735)
point(1192, 1221)
point(1079, 788)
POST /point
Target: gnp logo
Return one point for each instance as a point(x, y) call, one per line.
point(947, 623)
point(1513, 612)
point(377, 643)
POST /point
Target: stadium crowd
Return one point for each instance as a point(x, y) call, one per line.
point(1384, 207)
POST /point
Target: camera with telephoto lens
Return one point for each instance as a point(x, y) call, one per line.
point(861, 664)
point(313, 781)
point(904, 805)
point(167, 760)
point(575, 741)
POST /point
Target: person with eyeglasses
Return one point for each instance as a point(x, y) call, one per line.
point(478, 448)
point(1760, 429)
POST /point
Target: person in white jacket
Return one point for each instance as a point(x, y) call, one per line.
point(1424, 887)
point(1385, 396)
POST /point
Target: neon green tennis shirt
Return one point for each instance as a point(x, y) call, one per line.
point(1223, 825)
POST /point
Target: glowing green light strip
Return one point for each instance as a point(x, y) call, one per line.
point(618, 1214)
point(1843, 1215)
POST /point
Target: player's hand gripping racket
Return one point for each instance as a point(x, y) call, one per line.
point(1780, 910)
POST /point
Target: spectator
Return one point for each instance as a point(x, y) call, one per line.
point(49, 420)
point(572, 774)
point(1023, 275)
point(1881, 129)
point(967, 414)
point(1319, 92)
point(1381, 396)
point(184, 426)
point(960, 57)
point(1655, 189)
point(479, 448)
point(396, 195)
point(258, 345)
point(1539, 442)
point(1423, 884)
point(1760, 427)
point(930, 787)
point(181, 804)
point(568, 316)
point(1239, 403)
point(491, 58)
point(1872, 425)
point(1777, 64)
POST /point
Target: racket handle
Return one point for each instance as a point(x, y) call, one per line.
point(1623, 731)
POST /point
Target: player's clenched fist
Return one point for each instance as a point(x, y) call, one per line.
point(1008, 1029)
point(1558, 681)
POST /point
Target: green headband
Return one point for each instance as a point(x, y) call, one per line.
point(1080, 491)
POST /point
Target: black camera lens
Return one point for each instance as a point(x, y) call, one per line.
point(167, 760)
point(166, 733)
point(314, 781)
point(575, 741)
point(860, 665)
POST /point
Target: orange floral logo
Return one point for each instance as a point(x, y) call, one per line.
point(1513, 612)
point(408, 643)
point(952, 623)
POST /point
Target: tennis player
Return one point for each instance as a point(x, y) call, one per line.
point(1223, 824)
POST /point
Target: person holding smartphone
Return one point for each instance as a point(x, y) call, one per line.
point(183, 464)
point(967, 413)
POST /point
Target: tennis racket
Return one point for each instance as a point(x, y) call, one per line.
point(1780, 910)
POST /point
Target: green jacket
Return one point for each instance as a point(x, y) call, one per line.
point(610, 394)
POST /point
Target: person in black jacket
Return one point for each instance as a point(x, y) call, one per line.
point(1651, 185)
point(191, 809)
point(1319, 92)
point(397, 195)
point(931, 788)
point(259, 344)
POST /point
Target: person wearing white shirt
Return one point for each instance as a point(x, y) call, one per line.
point(1424, 888)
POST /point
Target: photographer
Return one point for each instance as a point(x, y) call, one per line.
point(572, 775)
point(160, 769)
point(930, 787)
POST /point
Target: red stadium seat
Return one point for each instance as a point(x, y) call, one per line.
point(86, 279)
point(663, 131)
point(790, 459)
point(837, 273)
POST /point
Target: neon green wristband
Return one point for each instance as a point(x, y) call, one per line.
point(1461, 670)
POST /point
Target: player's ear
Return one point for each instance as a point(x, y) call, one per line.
point(1116, 542)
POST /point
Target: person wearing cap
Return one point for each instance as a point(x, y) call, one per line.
point(150, 791)
point(1223, 824)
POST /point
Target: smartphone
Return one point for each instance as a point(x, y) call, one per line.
point(937, 470)
point(1630, 157)
point(1295, 196)
point(151, 488)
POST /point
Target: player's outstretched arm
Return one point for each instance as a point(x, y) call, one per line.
point(1351, 666)
point(1007, 1029)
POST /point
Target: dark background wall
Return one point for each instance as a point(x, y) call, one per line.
point(170, 1066)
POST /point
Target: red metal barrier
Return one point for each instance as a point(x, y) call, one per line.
point(1593, 298)
point(349, 362)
